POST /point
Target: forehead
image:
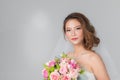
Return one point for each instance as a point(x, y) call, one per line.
point(72, 23)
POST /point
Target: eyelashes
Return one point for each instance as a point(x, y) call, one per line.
point(67, 30)
point(78, 28)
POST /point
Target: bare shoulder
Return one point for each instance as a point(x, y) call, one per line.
point(94, 57)
point(96, 61)
point(98, 66)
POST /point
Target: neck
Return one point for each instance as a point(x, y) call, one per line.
point(79, 49)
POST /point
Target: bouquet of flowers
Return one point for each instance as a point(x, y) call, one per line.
point(63, 68)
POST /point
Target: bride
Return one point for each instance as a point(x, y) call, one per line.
point(81, 34)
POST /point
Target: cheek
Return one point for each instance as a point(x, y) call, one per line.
point(67, 35)
point(80, 33)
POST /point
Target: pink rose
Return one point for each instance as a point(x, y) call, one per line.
point(65, 78)
point(73, 73)
point(51, 63)
point(45, 73)
point(54, 75)
point(73, 64)
point(63, 69)
point(64, 60)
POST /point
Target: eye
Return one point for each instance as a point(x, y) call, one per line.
point(78, 28)
point(67, 30)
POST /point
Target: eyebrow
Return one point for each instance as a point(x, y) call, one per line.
point(75, 26)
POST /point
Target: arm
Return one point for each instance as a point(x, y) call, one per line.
point(99, 68)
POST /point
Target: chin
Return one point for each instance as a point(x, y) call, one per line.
point(75, 43)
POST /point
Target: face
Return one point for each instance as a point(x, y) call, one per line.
point(74, 31)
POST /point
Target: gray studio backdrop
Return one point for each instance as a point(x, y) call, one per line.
point(30, 29)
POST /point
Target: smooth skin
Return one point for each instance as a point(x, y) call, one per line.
point(89, 59)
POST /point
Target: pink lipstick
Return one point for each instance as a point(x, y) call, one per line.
point(74, 38)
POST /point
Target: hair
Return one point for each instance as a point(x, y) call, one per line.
point(90, 39)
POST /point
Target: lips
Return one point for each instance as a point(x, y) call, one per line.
point(74, 38)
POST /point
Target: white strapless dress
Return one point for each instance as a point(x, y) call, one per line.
point(87, 76)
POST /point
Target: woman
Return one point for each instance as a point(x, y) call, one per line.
point(81, 34)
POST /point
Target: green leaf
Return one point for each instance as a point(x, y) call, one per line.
point(45, 66)
point(52, 69)
point(64, 55)
point(57, 60)
point(82, 71)
point(58, 66)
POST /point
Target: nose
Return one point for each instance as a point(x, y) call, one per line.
point(73, 33)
